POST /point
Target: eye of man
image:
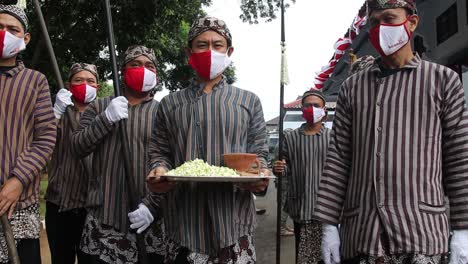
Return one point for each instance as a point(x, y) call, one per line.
point(78, 80)
point(150, 65)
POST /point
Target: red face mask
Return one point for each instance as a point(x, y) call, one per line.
point(387, 39)
point(83, 93)
point(10, 45)
point(209, 64)
point(140, 79)
point(313, 114)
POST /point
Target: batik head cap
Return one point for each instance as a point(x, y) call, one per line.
point(136, 51)
point(204, 24)
point(373, 5)
point(78, 67)
point(17, 12)
point(314, 92)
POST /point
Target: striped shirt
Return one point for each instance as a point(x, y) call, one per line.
point(206, 217)
point(68, 178)
point(399, 145)
point(108, 189)
point(305, 157)
point(28, 132)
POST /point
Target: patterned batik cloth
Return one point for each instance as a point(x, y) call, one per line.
point(309, 251)
point(26, 224)
point(405, 259)
point(391, 4)
point(118, 248)
point(243, 252)
point(204, 24)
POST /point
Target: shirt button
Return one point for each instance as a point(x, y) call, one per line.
point(379, 129)
point(378, 103)
point(198, 123)
point(378, 154)
point(380, 205)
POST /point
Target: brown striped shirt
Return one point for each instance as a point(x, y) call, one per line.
point(305, 157)
point(108, 189)
point(28, 132)
point(68, 178)
point(399, 145)
point(206, 217)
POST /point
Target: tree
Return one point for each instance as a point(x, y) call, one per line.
point(253, 10)
point(78, 33)
point(105, 89)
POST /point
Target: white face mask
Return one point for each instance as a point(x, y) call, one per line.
point(12, 45)
point(388, 39)
point(209, 64)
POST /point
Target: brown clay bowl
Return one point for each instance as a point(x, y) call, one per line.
point(241, 162)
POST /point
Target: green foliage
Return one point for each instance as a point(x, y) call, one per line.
point(230, 74)
point(255, 10)
point(105, 90)
point(78, 33)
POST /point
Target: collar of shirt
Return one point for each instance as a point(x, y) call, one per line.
point(19, 67)
point(302, 130)
point(412, 64)
point(197, 87)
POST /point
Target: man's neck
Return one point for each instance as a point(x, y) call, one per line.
point(209, 84)
point(135, 98)
point(79, 106)
point(399, 59)
point(11, 62)
point(312, 129)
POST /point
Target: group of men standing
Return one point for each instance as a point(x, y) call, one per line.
point(107, 206)
point(372, 190)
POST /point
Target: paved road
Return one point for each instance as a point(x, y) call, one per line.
point(265, 235)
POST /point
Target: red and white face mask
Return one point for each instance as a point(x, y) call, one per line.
point(209, 64)
point(83, 93)
point(388, 38)
point(140, 79)
point(10, 45)
point(313, 114)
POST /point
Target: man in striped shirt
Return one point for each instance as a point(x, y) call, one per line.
point(304, 152)
point(399, 146)
point(107, 237)
point(68, 177)
point(27, 136)
point(210, 222)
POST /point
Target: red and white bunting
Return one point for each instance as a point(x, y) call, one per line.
point(341, 45)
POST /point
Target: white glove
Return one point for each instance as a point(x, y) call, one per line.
point(62, 101)
point(117, 109)
point(330, 244)
point(141, 218)
point(459, 247)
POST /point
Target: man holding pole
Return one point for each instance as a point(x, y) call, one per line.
point(106, 235)
point(68, 177)
point(399, 146)
point(27, 136)
point(304, 153)
point(210, 222)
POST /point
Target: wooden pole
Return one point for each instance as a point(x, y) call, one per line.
point(53, 59)
point(132, 190)
point(280, 148)
point(10, 240)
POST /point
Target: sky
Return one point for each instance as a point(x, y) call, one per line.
point(312, 28)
